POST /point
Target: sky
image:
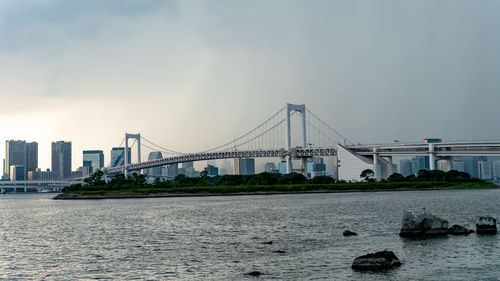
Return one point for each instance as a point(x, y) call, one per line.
point(190, 75)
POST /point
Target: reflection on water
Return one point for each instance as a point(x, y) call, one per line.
point(223, 238)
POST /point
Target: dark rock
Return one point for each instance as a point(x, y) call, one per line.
point(254, 273)
point(459, 230)
point(349, 233)
point(280, 251)
point(268, 243)
point(376, 261)
point(486, 225)
point(422, 225)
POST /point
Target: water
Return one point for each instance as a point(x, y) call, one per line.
point(221, 238)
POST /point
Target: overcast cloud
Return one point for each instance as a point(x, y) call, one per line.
point(193, 74)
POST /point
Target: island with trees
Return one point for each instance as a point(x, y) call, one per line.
point(136, 185)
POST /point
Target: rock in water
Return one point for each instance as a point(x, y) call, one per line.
point(349, 233)
point(254, 273)
point(459, 230)
point(486, 225)
point(422, 225)
point(376, 261)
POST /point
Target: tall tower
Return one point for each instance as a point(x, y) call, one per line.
point(301, 108)
point(61, 159)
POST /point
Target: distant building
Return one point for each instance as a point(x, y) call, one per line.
point(189, 170)
point(20, 153)
point(444, 165)
point(432, 140)
point(17, 173)
point(282, 168)
point(458, 166)
point(484, 170)
point(420, 163)
point(172, 170)
point(212, 171)
point(96, 159)
point(61, 159)
point(496, 170)
point(156, 171)
point(269, 167)
point(405, 167)
point(42, 175)
point(246, 166)
point(118, 156)
point(318, 167)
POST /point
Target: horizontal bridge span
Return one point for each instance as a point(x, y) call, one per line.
point(272, 153)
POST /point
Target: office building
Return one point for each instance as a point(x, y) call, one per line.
point(95, 158)
point(318, 167)
point(156, 171)
point(496, 170)
point(444, 165)
point(172, 170)
point(20, 153)
point(212, 171)
point(61, 159)
point(118, 156)
point(42, 175)
point(282, 168)
point(246, 166)
point(458, 166)
point(484, 170)
point(405, 167)
point(16, 173)
point(420, 163)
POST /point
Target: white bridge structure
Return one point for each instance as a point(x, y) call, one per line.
point(275, 138)
point(35, 186)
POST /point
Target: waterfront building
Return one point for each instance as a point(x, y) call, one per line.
point(20, 153)
point(212, 171)
point(61, 159)
point(17, 173)
point(118, 156)
point(96, 159)
point(318, 167)
point(172, 170)
point(282, 167)
point(405, 167)
point(38, 174)
point(156, 171)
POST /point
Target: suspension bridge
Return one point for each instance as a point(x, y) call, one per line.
point(292, 133)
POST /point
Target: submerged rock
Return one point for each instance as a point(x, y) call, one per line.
point(376, 261)
point(254, 273)
point(486, 225)
point(422, 225)
point(459, 230)
point(280, 251)
point(268, 243)
point(349, 233)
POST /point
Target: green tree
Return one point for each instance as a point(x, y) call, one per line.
point(368, 175)
point(396, 177)
point(96, 179)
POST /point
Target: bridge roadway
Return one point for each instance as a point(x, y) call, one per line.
point(440, 149)
point(295, 153)
point(35, 186)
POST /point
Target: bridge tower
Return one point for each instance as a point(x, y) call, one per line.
point(137, 137)
point(301, 108)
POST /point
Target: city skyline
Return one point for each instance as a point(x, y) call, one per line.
point(87, 74)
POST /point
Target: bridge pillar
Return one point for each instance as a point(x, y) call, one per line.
point(289, 109)
point(137, 137)
point(377, 169)
point(432, 157)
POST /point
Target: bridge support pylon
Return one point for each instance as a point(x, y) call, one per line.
point(127, 161)
point(301, 108)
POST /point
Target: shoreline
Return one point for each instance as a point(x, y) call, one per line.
point(130, 195)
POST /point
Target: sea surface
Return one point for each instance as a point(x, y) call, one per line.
point(223, 238)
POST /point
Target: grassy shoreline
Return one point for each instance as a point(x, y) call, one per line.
point(142, 192)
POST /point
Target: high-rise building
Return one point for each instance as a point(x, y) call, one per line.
point(420, 163)
point(444, 165)
point(212, 171)
point(458, 166)
point(61, 159)
point(96, 159)
point(156, 171)
point(189, 170)
point(246, 166)
point(42, 175)
point(484, 170)
point(282, 167)
point(405, 167)
point(318, 167)
point(118, 156)
point(172, 170)
point(20, 153)
point(496, 170)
